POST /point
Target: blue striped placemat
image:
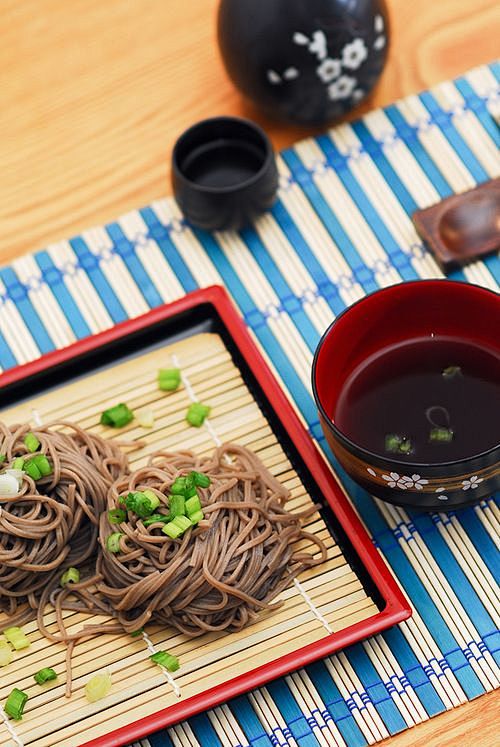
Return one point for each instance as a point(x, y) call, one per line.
point(340, 229)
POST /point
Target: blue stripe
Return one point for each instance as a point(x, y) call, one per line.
point(369, 677)
point(127, 251)
point(204, 731)
point(248, 720)
point(160, 233)
point(54, 278)
point(398, 259)
point(478, 106)
point(18, 293)
point(7, 359)
point(445, 122)
point(290, 303)
point(254, 318)
point(481, 539)
point(326, 289)
point(458, 581)
point(90, 264)
point(330, 221)
point(428, 166)
point(336, 705)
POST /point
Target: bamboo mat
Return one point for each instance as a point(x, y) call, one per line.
point(327, 597)
point(340, 229)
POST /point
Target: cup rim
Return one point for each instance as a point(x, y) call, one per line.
point(266, 163)
point(366, 453)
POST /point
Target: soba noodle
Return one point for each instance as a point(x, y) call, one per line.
point(221, 574)
point(52, 523)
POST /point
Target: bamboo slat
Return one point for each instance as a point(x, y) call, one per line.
point(336, 597)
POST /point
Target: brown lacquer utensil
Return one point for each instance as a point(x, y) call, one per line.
point(462, 227)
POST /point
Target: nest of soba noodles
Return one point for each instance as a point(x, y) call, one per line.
point(51, 523)
point(221, 573)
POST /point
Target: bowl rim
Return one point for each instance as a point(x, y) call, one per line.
point(268, 155)
point(366, 453)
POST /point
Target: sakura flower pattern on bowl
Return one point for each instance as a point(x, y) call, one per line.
point(392, 314)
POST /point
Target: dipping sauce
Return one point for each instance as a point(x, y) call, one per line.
point(426, 400)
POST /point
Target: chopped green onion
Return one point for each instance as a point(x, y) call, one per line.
point(31, 442)
point(193, 505)
point(397, 444)
point(70, 576)
point(441, 435)
point(14, 707)
point(137, 633)
point(98, 687)
point(405, 446)
point(195, 517)
point(117, 416)
point(197, 413)
point(172, 530)
point(190, 486)
point(146, 418)
point(117, 515)
point(142, 503)
point(32, 470)
point(182, 522)
point(177, 506)
point(169, 379)
point(42, 464)
point(3, 457)
point(16, 638)
point(178, 485)
point(155, 518)
point(152, 498)
point(45, 675)
point(113, 542)
point(451, 372)
point(18, 463)
point(166, 660)
point(200, 479)
point(5, 653)
point(392, 442)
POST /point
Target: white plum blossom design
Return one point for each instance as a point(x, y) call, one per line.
point(378, 23)
point(341, 88)
point(354, 54)
point(358, 94)
point(316, 44)
point(379, 42)
point(371, 471)
point(440, 490)
point(404, 482)
point(442, 497)
point(329, 70)
point(276, 79)
point(472, 483)
point(273, 77)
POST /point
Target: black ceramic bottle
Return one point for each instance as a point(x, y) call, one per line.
point(305, 61)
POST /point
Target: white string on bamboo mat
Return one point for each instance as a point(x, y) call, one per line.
point(10, 728)
point(173, 684)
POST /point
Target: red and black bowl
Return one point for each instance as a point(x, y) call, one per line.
point(388, 317)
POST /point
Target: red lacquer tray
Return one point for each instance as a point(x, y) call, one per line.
point(211, 310)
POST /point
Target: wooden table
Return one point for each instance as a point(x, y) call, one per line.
point(95, 92)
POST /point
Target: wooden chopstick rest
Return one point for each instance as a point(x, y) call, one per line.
point(463, 227)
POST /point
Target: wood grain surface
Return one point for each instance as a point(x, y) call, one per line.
point(93, 96)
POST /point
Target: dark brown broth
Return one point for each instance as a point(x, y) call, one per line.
point(393, 393)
